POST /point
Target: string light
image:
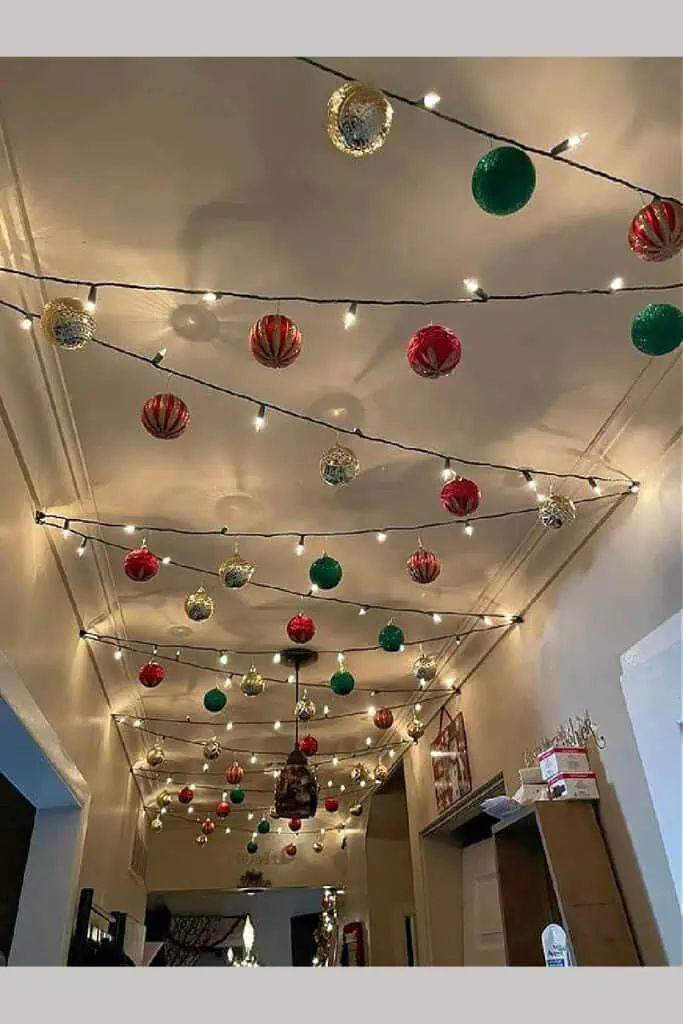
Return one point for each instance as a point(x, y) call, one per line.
point(468, 529)
point(529, 477)
point(193, 786)
point(342, 788)
point(635, 487)
point(223, 658)
point(571, 142)
point(363, 610)
point(137, 723)
point(250, 816)
point(299, 549)
point(118, 654)
point(368, 741)
point(487, 620)
point(228, 830)
point(80, 550)
point(169, 780)
point(190, 810)
point(340, 658)
point(129, 528)
point(392, 753)
point(291, 678)
point(335, 761)
point(228, 726)
point(277, 658)
point(616, 284)
point(314, 588)
point(205, 767)
point(362, 783)
point(381, 537)
point(277, 725)
point(371, 710)
point(225, 794)
point(418, 708)
point(447, 473)
point(227, 682)
point(350, 315)
point(209, 297)
point(260, 419)
point(436, 617)
point(91, 301)
point(66, 529)
point(252, 759)
point(329, 783)
point(474, 288)
point(158, 359)
point(326, 711)
point(166, 560)
point(26, 323)
point(595, 487)
point(163, 810)
point(431, 100)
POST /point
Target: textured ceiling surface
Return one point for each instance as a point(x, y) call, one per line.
point(219, 173)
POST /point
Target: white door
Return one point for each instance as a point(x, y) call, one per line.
point(483, 944)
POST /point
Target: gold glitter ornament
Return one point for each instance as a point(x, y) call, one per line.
point(157, 824)
point(235, 572)
point(555, 511)
point(164, 798)
point(252, 684)
point(212, 749)
point(199, 605)
point(359, 773)
point(339, 466)
point(67, 323)
point(380, 774)
point(201, 839)
point(318, 846)
point(358, 119)
point(155, 756)
point(416, 729)
point(304, 709)
point(356, 810)
point(424, 668)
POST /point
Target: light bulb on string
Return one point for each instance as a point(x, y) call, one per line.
point(381, 537)
point(158, 359)
point(529, 477)
point(594, 486)
point(371, 710)
point(314, 588)
point(277, 658)
point(329, 783)
point(80, 550)
point(137, 723)
point(299, 549)
point(260, 419)
point(474, 288)
point(468, 529)
point(368, 741)
point(250, 816)
point(228, 830)
point(436, 617)
point(205, 767)
point(277, 725)
point(227, 682)
point(190, 810)
point(571, 142)
point(351, 315)
point(223, 658)
point(447, 473)
point(252, 759)
point(431, 99)
point(228, 726)
point(326, 711)
point(335, 761)
point(363, 610)
point(342, 788)
point(635, 487)
point(129, 528)
point(166, 560)
point(209, 298)
point(25, 323)
point(392, 753)
point(118, 654)
point(91, 301)
point(487, 620)
point(66, 528)
point(616, 284)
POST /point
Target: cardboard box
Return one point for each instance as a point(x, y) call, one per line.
point(573, 786)
point(530, 776)
point(563, 760)
point(531, 793)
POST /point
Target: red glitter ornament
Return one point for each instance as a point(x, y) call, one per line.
point(308, 746)
point(434, 351)
point(423, 566)
point(208, 827)
point(294, 824)
point(290, 850)
point(384, 718)
point(301, 629)
point(223, 809)
point(275, 341)
point(656, 231)
point(151, 674)
point(234, 774)
point(460, 497)
point(165, 416)
point(186, 795)
point(331, 804)
point(141, 565)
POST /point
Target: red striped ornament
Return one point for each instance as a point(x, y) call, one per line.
point(656, 231)
point(423, 566)
point(141, 565)
point(460, 497)
point(165, 416)
point(275, 341)
point(434, 351)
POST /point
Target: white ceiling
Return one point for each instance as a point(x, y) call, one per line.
point(219, 173)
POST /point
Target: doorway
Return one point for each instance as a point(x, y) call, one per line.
point(482, 924)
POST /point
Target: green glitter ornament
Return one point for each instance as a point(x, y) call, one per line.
point(236, 795)
point(503, 181)
point(252, 847)
point(325, 572)
point(657, 329)
point(215, 700)
point(342, 683)
point(263, 827)
point(391, 637)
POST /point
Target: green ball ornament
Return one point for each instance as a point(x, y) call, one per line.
point(503, 181)
point(252, 847)
point(236, 795)
point(342, 683)
point(263, 827)
point(657, 329)
point(215, 700)
point(325, 572)
point(391, 637)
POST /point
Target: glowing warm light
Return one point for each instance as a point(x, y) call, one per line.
point(381, 537)
point(209, 297)
point(431, 100)
point(350, 316)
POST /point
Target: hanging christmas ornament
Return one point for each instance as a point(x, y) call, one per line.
point(67, 323)
point(294, 824)
point(656, 231)
point(304, 709)
point(263, 827)
point(199, 605)
point(212, 749)
point(208, 827)
point(215, 700)
point(157, 824)
point(301, 629)
point(503, 180)
point(252, 684)
point(383, 718)
point(555, 511)
point(273, 812)
point(415, 729)
point(185, 795)
point(223, 809)
point(460, 497)
point(308, 746)
point(657, 329)
point(165, 416)
point(235, 572)
point(164, 798)
point(234, 774)
point(290, 850)
point(325, 572)
point(423, 566)
point(296, 789)
point(236, 795)
point(380, 774)
point(342, 683)
point(151, 674)
point(424, 668)
point(356, 810)
point(391, 637)
point(252, 846)
point(275, 341)
point(201, 839)
point(331, 804)
point(434, 351)
point(359, 773)
point(318, 846)
point(339, 466)
point(141, 564)
point(155, 756)
point(358, 119)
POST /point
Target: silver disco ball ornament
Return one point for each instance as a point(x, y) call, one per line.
point(212, 750)
point(157, 824)
point(358, 119)
point(424, 668)
point(555, 511)
point(416, 729)
point(339, 466)
point(304, 709)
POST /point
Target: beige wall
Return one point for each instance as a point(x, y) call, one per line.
point(389, 877)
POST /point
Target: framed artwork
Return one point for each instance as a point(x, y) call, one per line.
point(450, 763)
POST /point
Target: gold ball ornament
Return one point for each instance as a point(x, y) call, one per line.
point(304, 709)
point(416, 729)
point(380, 774)
point(318, 846)
point(356, 810)
point(424, 668)
point(164, 798)
point(212, 749)
point(201, 839)
point(358, 119)
point(273, 813)
point(359, 773)
point(155, 756)
point(252, 684)
point(235, 572)
point(339, 466)
point(157, 824)
point(199, 605)
point(555, 511)
point(67, 323)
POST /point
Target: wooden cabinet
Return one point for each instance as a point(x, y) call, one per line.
point(553, 866)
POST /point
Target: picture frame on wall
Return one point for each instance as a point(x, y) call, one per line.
point(450, 761)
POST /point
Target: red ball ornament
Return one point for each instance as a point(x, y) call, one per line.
point(384, 718)
point(275, 341)
point(223, 809)
point(423, 566)
point(301, 629)
point(460, 497)
point(656, 231)
point(151, 674)
point(234, 774)
point(208, 827)
point(434, 351)
point(186, 795)
point(331, 804)
point(141, 565)
point(165, 416)
point(290, 850)
point(308, 746)
point(294, 824)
